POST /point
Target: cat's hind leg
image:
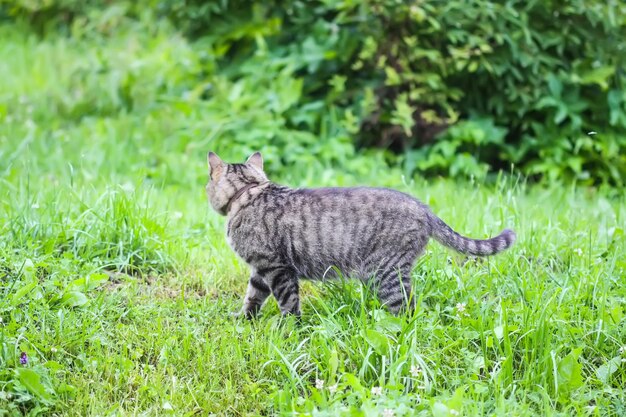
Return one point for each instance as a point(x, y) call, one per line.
point(394, 289)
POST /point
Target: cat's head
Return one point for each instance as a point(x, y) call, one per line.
point(226, 181)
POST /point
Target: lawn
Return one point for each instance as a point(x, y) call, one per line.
point(117, 284)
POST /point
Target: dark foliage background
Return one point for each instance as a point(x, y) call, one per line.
point(458, 88)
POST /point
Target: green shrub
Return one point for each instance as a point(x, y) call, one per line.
point(457, 88)
point(548, 74)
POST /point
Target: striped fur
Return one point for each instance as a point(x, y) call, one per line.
point(284, 234)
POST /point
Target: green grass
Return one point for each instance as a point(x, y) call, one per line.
point(117, 282)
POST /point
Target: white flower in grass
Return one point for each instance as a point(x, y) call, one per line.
point(377, 390)
point(387, 412)
point(578, 251)
point(454, 412)
point(460, 307)
point(53, 350)
point(622, 349)
point(416, 370)
point(319, 383)
point(332, 388)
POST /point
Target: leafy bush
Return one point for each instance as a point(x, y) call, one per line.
point(535, 71)
point(455, 87)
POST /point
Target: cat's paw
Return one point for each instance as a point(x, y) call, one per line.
point(243, 314)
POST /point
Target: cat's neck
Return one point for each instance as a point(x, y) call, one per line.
point(241, 192)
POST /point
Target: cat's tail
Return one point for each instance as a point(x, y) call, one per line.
point(476, 247)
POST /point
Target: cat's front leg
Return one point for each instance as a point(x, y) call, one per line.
point(283, 282)
point(257, 293)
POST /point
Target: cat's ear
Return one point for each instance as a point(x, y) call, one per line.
point(216, 165)
point(256, 160)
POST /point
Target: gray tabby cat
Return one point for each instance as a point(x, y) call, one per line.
point(283, 234)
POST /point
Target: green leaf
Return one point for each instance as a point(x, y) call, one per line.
point(456, 402)
point(439, 409)
point(89, 282)
point(605, 371)
point(377, 340)
point(22, 292)
point(389, 324)
point(392, 77)
point(561, 114)
point(569, 372)
point(498, 331)
point(333, 363)
point(599, 76)
point(554, 85)
point(30, 379)
point(54, 366)
point(74, 299)
point(353, 381)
